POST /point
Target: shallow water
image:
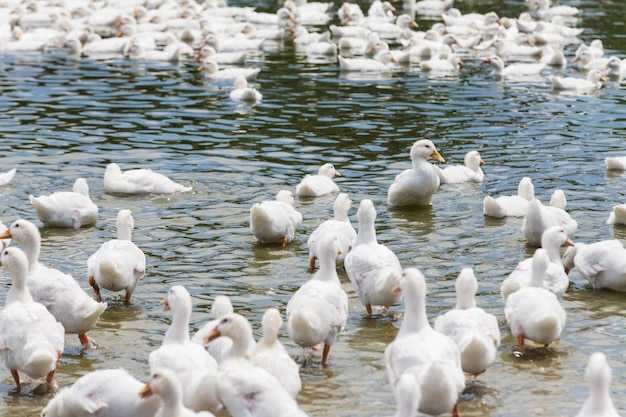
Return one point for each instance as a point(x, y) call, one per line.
point(63, 118)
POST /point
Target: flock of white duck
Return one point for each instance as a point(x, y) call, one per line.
point(222, 365)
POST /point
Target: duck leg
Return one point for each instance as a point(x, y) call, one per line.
point(49, 378)
point(312, 264)
point(455, 410)
point(368, 307)
point(325, 353)
point(127, 298)
point(285, 241)
point(96, 289)
point(520, 342)
point(16, 378)
point(84, 340)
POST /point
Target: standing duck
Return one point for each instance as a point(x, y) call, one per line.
point(416, 186)
point(57, 291)
point(277, 220)
point(318, 310)
point(374, 270)
point(31, 340)
point(430, 356)
point(118, 264)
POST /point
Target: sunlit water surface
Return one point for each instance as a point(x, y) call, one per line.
point(63, 118)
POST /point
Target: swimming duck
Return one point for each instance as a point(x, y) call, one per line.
point(164, 383)
point(514, 205)
point(602, 263)
point(382, 62)
point(213, 72)
point(615, 162)
point(339, 225)
point(31, 340)
point(66, 209)
point(430, 356)
point(540, 218)
point(275, 220)
point(598, 376)
point(118, 264)
point(195, 368)
point(533, 312)
point(220, 308)
point(373, 269)
point(416, 186)
point(242, 92)
point(318, 310)
point(470, 172)
point(320, 184)
point(513, 70)
point(270, 354)
point(555, 277)
point(6, 177)
point(475, 331)
point(102, 393)
point(592, 82)
point(57, 291)
point(247, 390)
point(138, 181)
point(617, 215)
point(451, 64)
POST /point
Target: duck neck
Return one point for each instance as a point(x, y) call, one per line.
point(173, 401)
point(327, 270)
point(32, 247)
point(19, 289)
point(415, 318)
point(242, 347)
point(125, 233)
point(554, 254)
point(366, 233)
point(178, 332)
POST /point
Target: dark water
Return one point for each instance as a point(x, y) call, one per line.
point(63, 118)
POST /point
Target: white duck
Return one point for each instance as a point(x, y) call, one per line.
point(555, 278)
point(615, 162)
point(320, 184)
point(270, 354)
point(382, 62)
point(513, 70)
point(242, 92)
point(514, 205)
point(31, 340)
point(540, 218)
point(533, 312)
point(164, 383)
point(195, 368)
point(593, 82)
point(416, 186)
point(318, 310)
point(430, 356)
point(617, 215)
point(224, 58)
point(66, 209)
point(474, 331)
point(247, 390)
point(470, 172)
point(275, 220)
point(451, 64)
point(339, 225)
point(598, 376)
point(212, 70)
point(6, 177)
point(602, 263)
point(102, 393)
point(220, 308)
point(138, 181)
point(57, 291)
point(374, 270)
point(118, 264)
point(408, 395)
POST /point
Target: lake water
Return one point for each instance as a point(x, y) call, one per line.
point(63, 118)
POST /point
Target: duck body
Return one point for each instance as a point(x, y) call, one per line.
point(617, 215)
point(591, 83)
point(469, 172)
point(57, 291)
point(318, 310)
point(118, 264)
point(66, 209)
point(7, 177)
point(602, 263)
point(138, 181)
point(275, 220)
point(102, 393)
point(242, 92)
point(339, 225)
point(475, 332)
point(416, 186)
point(319, 184)
point(31, 339)
point(514, 205)
point(432, 358)
point(374, 270)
